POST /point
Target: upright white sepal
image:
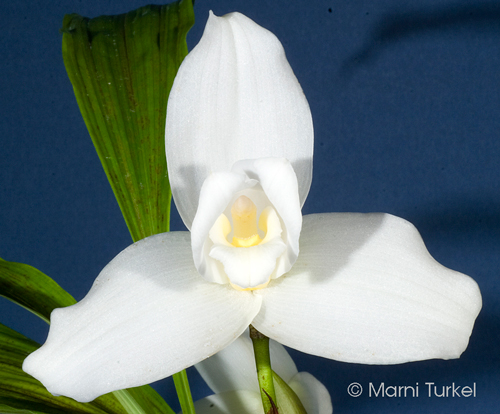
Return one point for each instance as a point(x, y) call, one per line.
point(365, 289)
point(235, 97)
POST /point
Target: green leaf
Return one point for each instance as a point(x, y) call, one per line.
point(288, 402)
point(122, 69)
point(38, 293)
point(143, 400)
point(32, 289)
point(184, 392)
point(5, 409)
point(20, 391)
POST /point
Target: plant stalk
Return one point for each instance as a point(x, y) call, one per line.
point(184, 392)
point(264, 372)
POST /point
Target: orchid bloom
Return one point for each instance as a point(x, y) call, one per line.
point(232, 375)
point(239, 143)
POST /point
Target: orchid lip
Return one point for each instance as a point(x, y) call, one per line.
point(248, 223)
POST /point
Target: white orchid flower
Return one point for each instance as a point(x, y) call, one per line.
point(232, 376)
point(239, 146)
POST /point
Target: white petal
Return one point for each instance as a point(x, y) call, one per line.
point(249, 267)
point(235, 97)
point(234, 368)
point(312, 394)
point(365, 289)
point(217, 193)
point(241, 402)
point(148, 315)
point(279, 182)
point(267, 182)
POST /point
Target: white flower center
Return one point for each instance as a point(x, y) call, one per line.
point(247, 226)
point(249, 260)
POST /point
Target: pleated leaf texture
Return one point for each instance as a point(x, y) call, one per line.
point(122, 68)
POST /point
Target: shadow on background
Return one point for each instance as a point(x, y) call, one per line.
point(460, 216)
point(394, 27)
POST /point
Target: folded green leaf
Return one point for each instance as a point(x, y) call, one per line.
point(5, 409)
point(122, 69)
point(288, 402)
point(20, 393)
point(32, 289)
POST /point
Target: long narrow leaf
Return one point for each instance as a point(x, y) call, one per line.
point(32, 289)
point(22, 392)
point(122, 69)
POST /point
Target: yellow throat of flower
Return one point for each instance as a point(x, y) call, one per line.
point(244, 214)
point(247, 252)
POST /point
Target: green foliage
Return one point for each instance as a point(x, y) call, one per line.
point(184, 392)
point(122, 69)
point(20, 391)
point(288, 402)
point(38, 293)
point(32, 289)
point(262, 354)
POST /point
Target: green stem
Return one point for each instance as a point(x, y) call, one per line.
point(264, 371)
point(183, 392)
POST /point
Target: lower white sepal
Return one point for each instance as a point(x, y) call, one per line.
point(148, 315)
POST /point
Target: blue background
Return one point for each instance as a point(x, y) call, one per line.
point(405, 101)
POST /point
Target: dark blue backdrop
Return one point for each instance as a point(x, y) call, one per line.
point(405, 101)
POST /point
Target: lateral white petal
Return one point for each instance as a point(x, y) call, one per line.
point(365, 289)
point(148, 315)
point(234, 368)
point(312, 394)
point(231, 402)
point(234, 97)
point(217, 192)
point(279, 182)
